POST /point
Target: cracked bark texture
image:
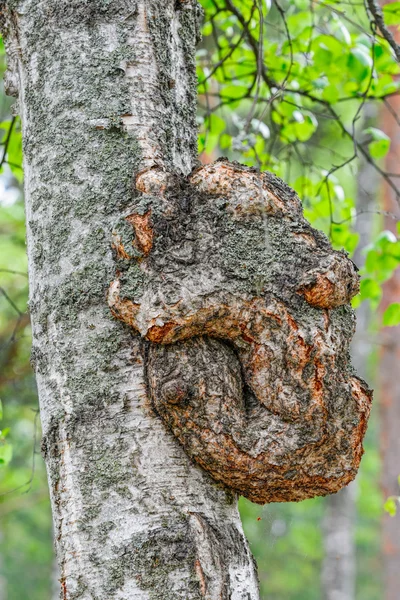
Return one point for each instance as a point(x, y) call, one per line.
point(265, 399)
point(107, 89)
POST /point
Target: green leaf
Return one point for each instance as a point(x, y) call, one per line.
point(331, 94)
point(301, 128)
point(379, 149)
point(380, 144)
point(385, 238)
point(1, 410)
point(390, 505)
point(207, 29)
point(391, 13)
point(385, 85)
point(5, 453)
point(234, 91)
point(225, 141)
point(298, 22)
point(359, 63)
point(370, 290)
point(216, 124)
point(391, 316)
point(376, 134)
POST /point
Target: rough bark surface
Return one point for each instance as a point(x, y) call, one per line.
point(107, 89)
point(241, 309)
point(278, 415)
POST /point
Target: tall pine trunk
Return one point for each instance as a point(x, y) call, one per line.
point(105, 90)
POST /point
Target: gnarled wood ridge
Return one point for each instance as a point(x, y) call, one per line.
point(246, 311)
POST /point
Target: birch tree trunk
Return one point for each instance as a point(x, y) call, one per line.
point(242, 308)
point(388, 379)
point(339, 570)
point(107, 89)
point(3, 581)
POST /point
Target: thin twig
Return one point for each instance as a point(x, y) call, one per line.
point(377, 13)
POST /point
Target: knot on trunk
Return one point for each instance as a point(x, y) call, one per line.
point(247, 311)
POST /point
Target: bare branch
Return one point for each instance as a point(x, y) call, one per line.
point(377, 13)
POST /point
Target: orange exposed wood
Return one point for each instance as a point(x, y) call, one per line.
point(143, 231)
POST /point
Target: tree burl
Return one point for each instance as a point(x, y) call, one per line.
point(245, 309)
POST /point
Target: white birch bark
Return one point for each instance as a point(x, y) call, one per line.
point(339, 566)
point(105, 90)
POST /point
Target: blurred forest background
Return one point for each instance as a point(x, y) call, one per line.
point(307, 89)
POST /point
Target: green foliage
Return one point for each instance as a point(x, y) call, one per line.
point(380, 144)
point(382, 259)
point(292, 101)
point(11, 140)
point(291, 91)
point(391, 316)
point(391, 13)
point(25, 520)
point(390, 505)
point(287, 541)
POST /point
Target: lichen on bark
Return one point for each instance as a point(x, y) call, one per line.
point(126, 500)
point(277, 415)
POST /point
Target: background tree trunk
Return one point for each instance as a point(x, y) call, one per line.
point(339, 568)
point(3, 581)
point(389, 388)
point(339, 571)
point(107, 89)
